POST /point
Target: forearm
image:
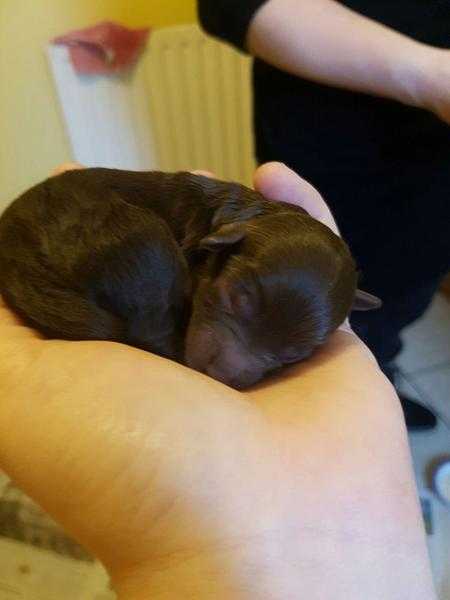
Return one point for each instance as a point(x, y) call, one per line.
point(188, 491)
point(350, 525)
point(361, 524)
point(338, 565)
point(324, 41)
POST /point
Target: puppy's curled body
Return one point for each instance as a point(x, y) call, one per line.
point(132, 256)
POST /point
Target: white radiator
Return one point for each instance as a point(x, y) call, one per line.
point(187, 105)
point(200, 103)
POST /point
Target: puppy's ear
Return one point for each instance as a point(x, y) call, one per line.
point(366, 301)
point(224, 236)
point(236, 208)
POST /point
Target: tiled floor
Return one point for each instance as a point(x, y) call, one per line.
point(48, 572)
point(425, 367)
point(425, 359)
point(38, 561)
point(27, 573)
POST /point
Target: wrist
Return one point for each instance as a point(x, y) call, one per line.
point(408, 73)
point(433, 82)
point(419, 76)
point(236, 573)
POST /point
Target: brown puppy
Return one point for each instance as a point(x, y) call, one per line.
point(89, 255)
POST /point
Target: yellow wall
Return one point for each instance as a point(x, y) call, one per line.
point(32, 137)
point(159, 12)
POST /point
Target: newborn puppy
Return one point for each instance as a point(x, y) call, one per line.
point(78, 262)
point(89, 255)
point(270, 282)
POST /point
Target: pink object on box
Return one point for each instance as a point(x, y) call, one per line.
point(104, 48)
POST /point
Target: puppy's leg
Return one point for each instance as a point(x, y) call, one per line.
point(143, 280)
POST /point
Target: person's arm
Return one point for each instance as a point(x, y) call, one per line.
point(324, 41)
point(299, 488)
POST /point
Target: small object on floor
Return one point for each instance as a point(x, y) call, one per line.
point(427, 514)
point(417, 417)
point(442, 482)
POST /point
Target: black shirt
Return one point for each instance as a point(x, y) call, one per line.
point(317, 128)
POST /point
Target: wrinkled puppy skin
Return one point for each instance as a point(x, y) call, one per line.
point(133, 256)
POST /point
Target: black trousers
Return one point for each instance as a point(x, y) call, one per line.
point(397, 224)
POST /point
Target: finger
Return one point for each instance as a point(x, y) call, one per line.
point(345, 326)
point(204, 173)
point(7, 317)
point(11, 326)
point(68, 166)
point(277, 182)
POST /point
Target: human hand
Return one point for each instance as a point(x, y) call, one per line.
point(186, 488)
point(68, 166)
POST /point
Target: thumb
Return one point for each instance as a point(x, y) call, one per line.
point(277, 182)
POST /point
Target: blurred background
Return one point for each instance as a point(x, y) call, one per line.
point(158, 114)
